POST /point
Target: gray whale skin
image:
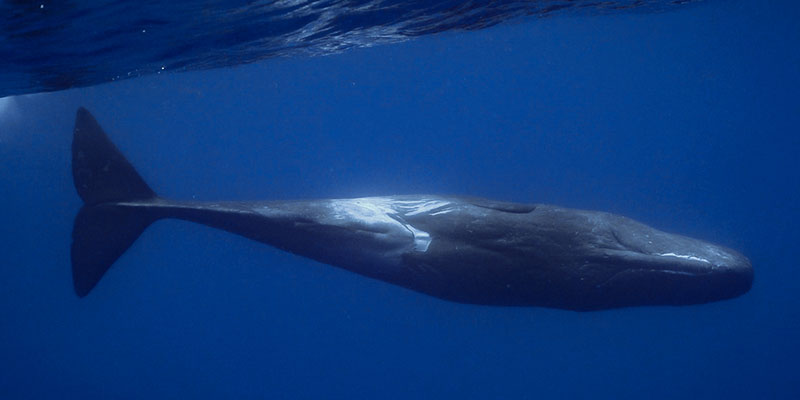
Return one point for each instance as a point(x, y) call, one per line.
point(461, 249)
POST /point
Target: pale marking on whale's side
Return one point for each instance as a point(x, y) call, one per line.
point(385, 210)
point(693, 258)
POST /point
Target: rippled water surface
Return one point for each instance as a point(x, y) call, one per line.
point(57, 45)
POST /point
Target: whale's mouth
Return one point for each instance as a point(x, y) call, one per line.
point(680, 264)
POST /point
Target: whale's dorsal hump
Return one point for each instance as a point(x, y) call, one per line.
point(516, 208)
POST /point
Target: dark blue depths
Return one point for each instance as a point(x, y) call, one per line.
point(684, 120)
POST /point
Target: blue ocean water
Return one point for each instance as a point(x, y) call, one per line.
point(685, 120)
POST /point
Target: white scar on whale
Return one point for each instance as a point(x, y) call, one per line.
point(384, 210)
point(693, 258)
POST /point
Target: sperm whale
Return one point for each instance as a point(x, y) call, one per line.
point(462, 249)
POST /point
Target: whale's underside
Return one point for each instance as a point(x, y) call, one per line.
point(462, 249)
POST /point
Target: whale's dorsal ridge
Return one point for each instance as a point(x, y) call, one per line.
point(515, 208)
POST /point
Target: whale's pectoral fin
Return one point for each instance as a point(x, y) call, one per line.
point(102, 229)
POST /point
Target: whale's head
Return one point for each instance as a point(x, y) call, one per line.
point(618, 262)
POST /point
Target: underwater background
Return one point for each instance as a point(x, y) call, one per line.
point(682, 115)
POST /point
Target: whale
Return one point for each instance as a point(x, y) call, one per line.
point(456, 248)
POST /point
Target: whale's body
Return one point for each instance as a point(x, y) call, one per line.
point(461, 249)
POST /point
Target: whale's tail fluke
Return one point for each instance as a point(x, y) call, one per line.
point(103, 177)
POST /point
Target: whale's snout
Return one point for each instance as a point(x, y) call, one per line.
point(731, 272)
point(656, 267)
